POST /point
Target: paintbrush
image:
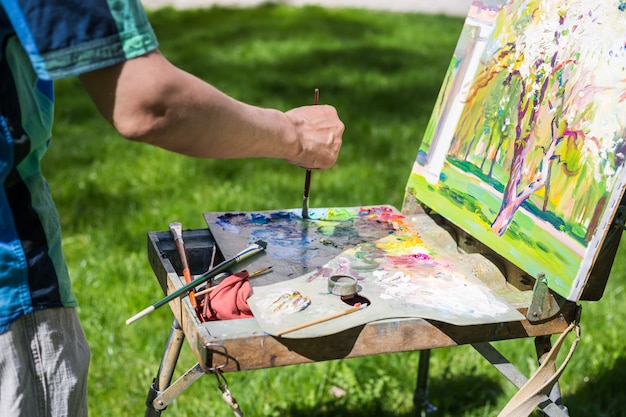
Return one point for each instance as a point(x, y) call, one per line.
point(357, 307)
point(252, 275)
point(251, 250)
point(307, 178)
point(176, 228)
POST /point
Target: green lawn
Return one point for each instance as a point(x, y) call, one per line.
point(383, 72)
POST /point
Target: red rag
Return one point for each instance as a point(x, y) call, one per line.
point(229, 299)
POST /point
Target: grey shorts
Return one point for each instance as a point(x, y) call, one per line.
point(44, 359)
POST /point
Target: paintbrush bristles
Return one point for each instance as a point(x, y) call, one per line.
point(305, 198)
point(177, 229)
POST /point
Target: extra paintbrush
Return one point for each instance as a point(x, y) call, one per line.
point(252, 275)
point(176, 228)
point(357, 307)
point(307, 178)
point(251, 250)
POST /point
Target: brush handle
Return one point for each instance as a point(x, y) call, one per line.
point(307, 178)
point(250, 251)
point(176, 228)
point(245, 254)
point(323, 319)
point(139, 315)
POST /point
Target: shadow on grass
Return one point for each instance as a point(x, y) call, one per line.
point(603, 396)
point(459, 396)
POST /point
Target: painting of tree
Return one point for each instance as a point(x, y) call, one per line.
point(556, 82)
point(540, 123)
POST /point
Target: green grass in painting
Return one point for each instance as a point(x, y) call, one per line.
point(574, 231)
point(383, 72)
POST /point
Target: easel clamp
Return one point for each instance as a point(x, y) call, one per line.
point(545, 303)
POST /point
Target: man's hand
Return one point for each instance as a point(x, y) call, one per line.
point(320, 131)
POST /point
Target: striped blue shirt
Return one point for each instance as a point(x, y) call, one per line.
point(43, 40)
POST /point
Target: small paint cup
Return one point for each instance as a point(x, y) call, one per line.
point(343, 285)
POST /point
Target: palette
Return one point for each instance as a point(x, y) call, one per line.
point(404, 267)
point(297, 246)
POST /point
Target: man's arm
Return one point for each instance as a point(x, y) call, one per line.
point(147, 99)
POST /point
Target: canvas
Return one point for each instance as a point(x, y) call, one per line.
point(525, 147)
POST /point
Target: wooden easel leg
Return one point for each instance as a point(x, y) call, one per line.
point(166, 369)
point(420, 397)
point(542, 347)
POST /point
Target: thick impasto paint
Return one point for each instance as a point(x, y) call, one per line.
point(525, 148)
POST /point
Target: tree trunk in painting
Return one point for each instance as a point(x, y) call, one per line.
point(595, 219)
point(512, 198)
point(546, 90)
point(471, 144)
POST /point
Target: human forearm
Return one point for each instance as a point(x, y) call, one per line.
point(149, 100)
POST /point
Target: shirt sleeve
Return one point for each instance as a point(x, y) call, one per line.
point(70, 37)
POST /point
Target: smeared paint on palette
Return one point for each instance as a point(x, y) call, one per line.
point(403, 266)
point(297, 246)
point(283, 302)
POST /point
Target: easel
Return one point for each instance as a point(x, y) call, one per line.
point(222, 347)
point(248, 348)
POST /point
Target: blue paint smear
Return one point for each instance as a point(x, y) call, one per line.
point(291, 238)
point(258, 218)
point(282, 230)
point(286, 241)
point(230, 222)
point(283, 215)
point(228, 227)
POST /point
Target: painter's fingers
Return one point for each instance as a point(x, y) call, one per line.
point(318, 134)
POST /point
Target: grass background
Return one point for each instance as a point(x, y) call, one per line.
point(383, 72)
